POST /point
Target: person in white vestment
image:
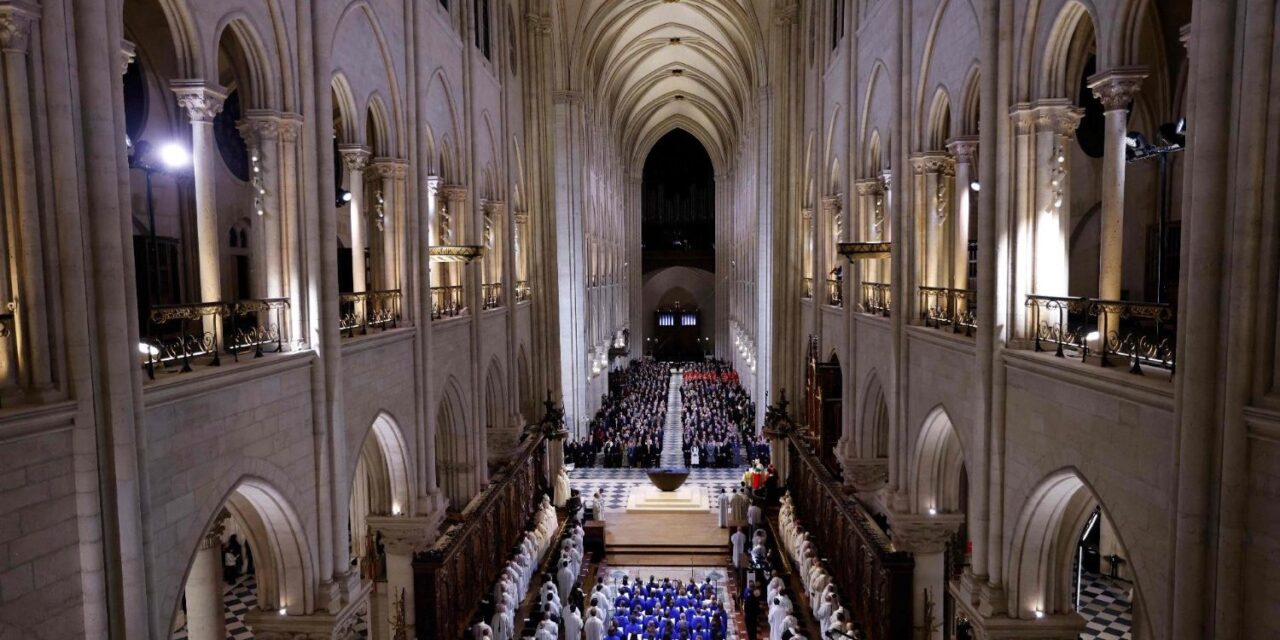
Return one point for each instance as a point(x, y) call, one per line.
point(565, 577)
point(481, 631)
point(594, 626)
point(738, 508)
point(739, 541)
point(722, 516)
point(500, 623)
point(755, 516)
point(572, 624)
point(597, 506)
point(777, 615)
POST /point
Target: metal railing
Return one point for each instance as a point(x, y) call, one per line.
point(1143, 333)
point(179, 335)
point(364, 309)
point(447, 302)
point(523, 292)
point(876, 298)
point(835, 293)
point(943, 308)
point(806, 288)
point(491, 295)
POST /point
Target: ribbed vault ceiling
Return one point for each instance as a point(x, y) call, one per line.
point(654, 65)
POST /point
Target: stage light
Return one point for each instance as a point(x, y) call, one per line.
point(975, 186)
point(173, 155)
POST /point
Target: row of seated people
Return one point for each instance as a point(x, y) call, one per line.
point(658, 610)
point(628, 428)
point(513, 582)
point(824, 598)
point(715, 414)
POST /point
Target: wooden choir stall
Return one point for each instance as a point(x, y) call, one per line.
point(874, 580)
point(457, 573)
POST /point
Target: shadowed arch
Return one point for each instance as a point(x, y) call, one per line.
point(874, 433)
point(937, 465)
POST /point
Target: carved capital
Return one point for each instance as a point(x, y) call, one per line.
point(964, 150)
point(784, 14)
point(390, 168)
point(923, 533)
point(128, 53)
point(354, 156)
point(806, 213)
point(932, 162)
point(1024, 118)
point(869, 187)
point(16, 22)
point(1058, 116)
point(493, 207)
point(886, 177)
point(538, 23)
point(865, 474)
point(407, 536)
point(290, 126)
point(259, 126)
point(832, 205)
point(521, 216)
point(454, 193)
point(1117, 88)
point(199, 98)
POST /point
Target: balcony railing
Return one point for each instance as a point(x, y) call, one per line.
point(806, 288)
point(491, 295)
point(364, 309)
point(447, 302)
point(1143, 333)
point(835, 293)
point(179, 335)
point(943, 308)
point(523, 292)
point(876, 297)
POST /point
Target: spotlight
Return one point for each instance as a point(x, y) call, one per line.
point(975, 186)
point(173, 155)
point(1173, 134)
point(932, 511)
point(147, 350)
point(344, 197)
point(1039, 613)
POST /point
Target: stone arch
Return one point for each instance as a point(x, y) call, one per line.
point(524, 385)
point(395, 115)
point(878, 70)
point(454, 451)
point(495, 396)
point(939, 125)
point(181, 54)
point(382, 480)
point(1038, 566)
point(874, 440)
point(970, 100)
point(255, 75)
point(1072, 38)
point(345, 125)
point(937, 466)
point(377, 128)
point(284, 562)
point(875, 159)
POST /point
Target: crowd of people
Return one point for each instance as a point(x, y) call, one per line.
point(716, 415)
point(627, 430)
point(513, 583)
point(824, 599)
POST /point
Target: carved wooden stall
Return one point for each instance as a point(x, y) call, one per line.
point(874, 580)
point(452, 577)
point(823, 407)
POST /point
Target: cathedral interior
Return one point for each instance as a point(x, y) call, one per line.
point(639, 319)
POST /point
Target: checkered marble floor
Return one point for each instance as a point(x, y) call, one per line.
point(240, 598)
point(615, 484)
point(1102, 603)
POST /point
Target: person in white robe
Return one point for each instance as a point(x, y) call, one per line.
point(775, 585)
point(572, 624)
point(501, 623)
point(565, 577)
point(594, 626)
point(739, 541)
point(776, 616)
point(738, 508)
point(755, 516)
point(543, 634)
point(597, 506)
point(481, 630)
point(722, 515)
point(561, 487)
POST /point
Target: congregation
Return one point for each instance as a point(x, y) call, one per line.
point(628, 428)
point(715, 415)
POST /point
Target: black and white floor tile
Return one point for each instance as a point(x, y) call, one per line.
point(1108, 614)
point(240, 598)
point(616, 484)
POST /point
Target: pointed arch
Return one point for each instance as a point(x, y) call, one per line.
point(495, 398)
point(346, 125)
point(377, 130)
point(256, 74)
point(937, 465)
point(1071, 40)
point(874, 422)
point(969, 103)
point(939, 125)
point(524, 385)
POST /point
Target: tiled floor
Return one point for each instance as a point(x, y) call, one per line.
point(240, 598)
point(616, 484)
point(1108, 614)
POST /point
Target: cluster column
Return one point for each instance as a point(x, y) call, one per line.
point(261, 130)
point(963, 151)
point(1116, 90)
point(390, 219)
point(1056, 123)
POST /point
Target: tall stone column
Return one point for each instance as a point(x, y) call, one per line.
point(392, 172)
point(452, 230)
point(402, 537)
point(962, 150)
point(926, 537)
point(356, 158)
point(202, 102)
point(206, 619)
point(1116, 90)
point(261, 130)
point(291, 235)
point(833, 223)
point(1022, 241)
point(1056, 122)
point(16, 24)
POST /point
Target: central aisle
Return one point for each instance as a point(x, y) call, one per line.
point(673, 430)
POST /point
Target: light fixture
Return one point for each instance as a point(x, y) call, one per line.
point(282, 612)
point(1039, 613)
point(395, 509)
point(1092, 336)
point(975, 186)
point(346, 196)
point(933, 511)
point(147, 350)
point(173, 155)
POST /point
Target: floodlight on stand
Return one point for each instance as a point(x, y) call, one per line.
point(173, 155)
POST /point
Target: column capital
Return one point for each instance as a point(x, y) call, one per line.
point(923, 533)
point(259, 126)
point(393, 168)
point(1058, 116)
point(16, 21)
point(806, 213)
point(1024, 118)
point(520, 216)
point(868, 186)
point(1116, 88)
point(355, 156)
point(785, 13)
point(865, 474)
point(963, 149)
point(832, 205)
point(407, 535)
point(201, 99)
point(886, 178)
point(290, 126)
point(538, 23)
point(453, 192)
point(128, 53)
point(932, 162)
point(493, 207)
